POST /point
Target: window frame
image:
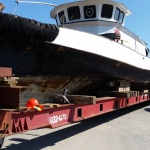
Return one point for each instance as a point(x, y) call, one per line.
point(122, 18)
point(57, 20)
point(62, 15)
point(78, 14)
point(119, 19)
point(102, 11)
point(117, 14)
point(85, 8)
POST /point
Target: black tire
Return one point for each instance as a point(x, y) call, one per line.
point(15, 25)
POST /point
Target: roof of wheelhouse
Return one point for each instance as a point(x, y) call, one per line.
point(89, 2)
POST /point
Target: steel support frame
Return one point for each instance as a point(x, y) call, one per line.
point(12, 122)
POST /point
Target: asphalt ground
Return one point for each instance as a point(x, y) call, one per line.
point(126, 129)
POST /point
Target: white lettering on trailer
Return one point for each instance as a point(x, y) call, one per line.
point(58, 118)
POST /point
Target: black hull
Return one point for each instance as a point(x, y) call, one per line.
point(35, 58)
point(23, 48)
point(48, 69)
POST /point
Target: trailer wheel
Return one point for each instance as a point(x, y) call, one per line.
point(16, 25)
point(1, 141)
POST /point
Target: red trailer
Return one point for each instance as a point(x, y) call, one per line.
point(16, 119)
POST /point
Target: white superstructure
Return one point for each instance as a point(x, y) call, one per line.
point(100, 17)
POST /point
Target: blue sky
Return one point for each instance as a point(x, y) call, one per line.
point(138, 22)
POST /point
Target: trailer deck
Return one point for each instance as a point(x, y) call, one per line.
point(122, 129)
point(13, 121)
point(17, 119)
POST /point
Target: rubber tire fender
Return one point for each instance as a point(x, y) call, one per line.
point(16, 25)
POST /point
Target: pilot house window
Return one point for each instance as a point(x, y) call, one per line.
point(89, 11)
point(107, 11)
point(74, 13)
point(62, 17)
point(119, 16)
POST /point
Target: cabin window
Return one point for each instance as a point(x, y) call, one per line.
point(62, 18)
point(74, 13)
point(119, 16)
point(57, 20)
point(89, 11)
point(107, 11)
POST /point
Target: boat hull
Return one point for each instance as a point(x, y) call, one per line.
point(48, 69)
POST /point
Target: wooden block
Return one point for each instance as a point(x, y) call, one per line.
point(8, 81)
point(126, 94)
point(111, 84)
point(123, 84)
point(145, 91)
point(9, 78)
point(121, 89)
point(81, 99)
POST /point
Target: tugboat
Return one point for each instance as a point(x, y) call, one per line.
point(89, 47)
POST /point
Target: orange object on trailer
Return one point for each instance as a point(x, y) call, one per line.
point(34, 104)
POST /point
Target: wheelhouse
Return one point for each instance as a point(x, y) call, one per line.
point(100, 17)
point(90, 10)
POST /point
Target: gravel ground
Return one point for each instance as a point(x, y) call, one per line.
point(126, 129)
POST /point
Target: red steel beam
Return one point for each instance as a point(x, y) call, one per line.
point(12, 122)
point(11, 100)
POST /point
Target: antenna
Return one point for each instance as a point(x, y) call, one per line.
point(31, 2)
